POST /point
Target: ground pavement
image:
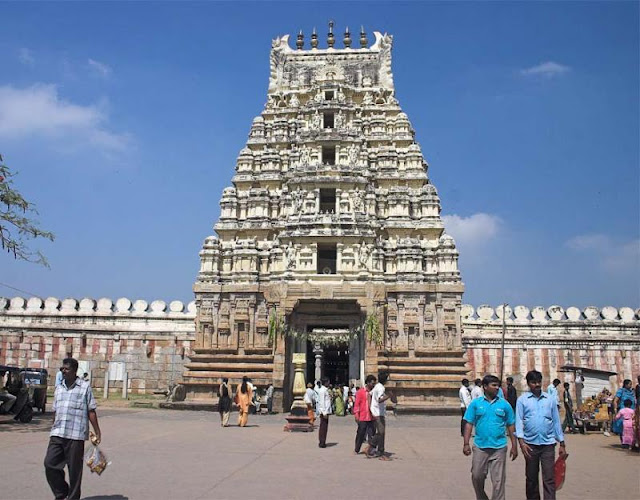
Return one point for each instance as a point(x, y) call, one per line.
point(158, 454)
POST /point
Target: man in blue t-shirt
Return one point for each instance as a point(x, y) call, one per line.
point(491, 416)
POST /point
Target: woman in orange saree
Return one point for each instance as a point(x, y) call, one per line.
point(244, 395)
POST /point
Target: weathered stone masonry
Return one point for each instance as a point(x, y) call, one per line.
point(152, 337)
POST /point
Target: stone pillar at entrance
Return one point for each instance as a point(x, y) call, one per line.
point(298, 419)
point(318, 351)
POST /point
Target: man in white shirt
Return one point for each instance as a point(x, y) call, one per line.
point(345, 395)
point(323, 409)
point(270, 391)
point(378, 412)
point(465, 401)
point(477, 391)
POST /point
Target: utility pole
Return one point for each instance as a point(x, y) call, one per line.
point(504, 330)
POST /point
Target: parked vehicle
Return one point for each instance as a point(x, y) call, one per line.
point(21, 409)
point(35, 379)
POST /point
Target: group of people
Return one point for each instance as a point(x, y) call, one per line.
point(369, 410)
point(532, 423)
point(246, 398)
point(343, 398)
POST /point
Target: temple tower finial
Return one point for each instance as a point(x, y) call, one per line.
point(331, 40)
point(363, 38)
point(347, 38)
point(300, 41)
point(314, 39)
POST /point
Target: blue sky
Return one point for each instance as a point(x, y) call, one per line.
point(124, 121)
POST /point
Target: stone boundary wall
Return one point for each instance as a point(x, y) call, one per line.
point(155, 340)
point(547, 339)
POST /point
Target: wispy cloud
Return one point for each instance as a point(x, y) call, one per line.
point(39, 111)
point(611, 255)
point(26, 57)
point(99, 68)
point(548, 69)
point(472, 231)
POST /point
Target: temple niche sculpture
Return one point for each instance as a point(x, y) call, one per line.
point(330, 240)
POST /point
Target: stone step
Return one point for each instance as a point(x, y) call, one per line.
point(217, 375)
point(444, 370)
point(444, 361)
point(410, 377)
point(457, 353)
point(229, 367)
point(231, 358)
point(260, 381)
point(427, 408)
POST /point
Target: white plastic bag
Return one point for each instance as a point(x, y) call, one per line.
point(96, 460)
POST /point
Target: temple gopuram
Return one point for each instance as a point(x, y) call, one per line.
point(330, 240)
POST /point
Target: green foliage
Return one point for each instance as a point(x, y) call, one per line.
point(372, 329)
point(276, 326)
point(16, 227)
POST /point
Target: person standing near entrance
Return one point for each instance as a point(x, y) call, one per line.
point(476, 391)
point(378, 411)
point(309, 400)
point(244, 396)
point(538, 428)
point(323, 409)
point(568, 409)
point(362, 413)
point(465, 401)
point(224, 403)
point(552, 390)
point(512, 393)
point(74, 407)
point(491, 416)
point(270, 391)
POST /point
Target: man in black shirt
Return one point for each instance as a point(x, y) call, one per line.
point(512, 393)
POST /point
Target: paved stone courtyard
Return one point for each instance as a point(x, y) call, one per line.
point(158, 454)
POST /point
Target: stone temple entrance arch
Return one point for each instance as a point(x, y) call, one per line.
point(330, 332)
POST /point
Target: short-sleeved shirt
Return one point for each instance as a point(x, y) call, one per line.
point(490, 419)
point(71, 406)
point(378, 409)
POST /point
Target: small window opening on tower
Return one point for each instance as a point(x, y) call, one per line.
point(329, 95)
point(327, 258)
point(328, 155)
point(328, 200)
point(328, 120)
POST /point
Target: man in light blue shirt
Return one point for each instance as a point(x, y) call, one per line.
point(552, 390)
point(491, 415)
point(538, 428)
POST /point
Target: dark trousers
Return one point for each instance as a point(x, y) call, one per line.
point(270, 405)
point(365, 429)
point(568, 419)
point(462, 412)
point(61, 452)
point(544, 455)
point(378, 440)
point(322, 432)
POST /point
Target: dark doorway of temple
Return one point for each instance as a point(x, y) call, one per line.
point(336, 363)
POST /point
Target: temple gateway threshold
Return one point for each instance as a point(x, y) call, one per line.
point(330, 240)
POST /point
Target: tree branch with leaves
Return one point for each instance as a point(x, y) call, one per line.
point(17, 225)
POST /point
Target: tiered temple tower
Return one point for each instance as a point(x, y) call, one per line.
point(330, 240)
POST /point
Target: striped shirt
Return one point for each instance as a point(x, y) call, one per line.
point(71, 406)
